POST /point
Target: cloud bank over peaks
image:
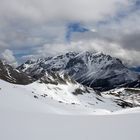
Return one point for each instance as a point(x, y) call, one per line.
point(32, 28)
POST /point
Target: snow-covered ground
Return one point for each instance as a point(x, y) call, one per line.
point(17, 125)
point(25, 114)
point(51, 98)
point(56, 99)
point(130, 95)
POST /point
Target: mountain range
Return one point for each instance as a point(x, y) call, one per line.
point(90, 80)
point(96, 70)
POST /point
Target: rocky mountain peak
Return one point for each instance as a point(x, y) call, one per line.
point(93, 69)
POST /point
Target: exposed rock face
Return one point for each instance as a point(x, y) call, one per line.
point(56, 78)
point(9, 74)
point(96, 70)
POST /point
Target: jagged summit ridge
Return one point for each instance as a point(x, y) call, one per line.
point(93, 69)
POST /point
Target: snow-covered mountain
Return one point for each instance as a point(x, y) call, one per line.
point(38, 109)
point(129, 95)
point(8, 73)
point(60, 98)
point(55, 86)
point(92, 69)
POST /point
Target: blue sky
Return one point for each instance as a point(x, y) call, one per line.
point(74, 27)
point(33, 29)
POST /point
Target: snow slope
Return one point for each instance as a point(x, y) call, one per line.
point(37, 126)
point(27, 115)
point(49, 98)
point(56, 99)
point(130, 95)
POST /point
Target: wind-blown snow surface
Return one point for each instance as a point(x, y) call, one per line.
point(27, 115)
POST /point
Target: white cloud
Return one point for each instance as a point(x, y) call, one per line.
point(9, 57)
point(44, 10)
point(130, 57)
point(40, 27)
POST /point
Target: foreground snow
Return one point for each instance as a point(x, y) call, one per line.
point(26, 115)
point(19, 125)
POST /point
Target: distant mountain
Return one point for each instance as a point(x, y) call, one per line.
point(56, 86)
point(96, 70)
point(9, 74)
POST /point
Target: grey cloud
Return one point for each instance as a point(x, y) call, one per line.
point(40, 27)
point(9, 57)
point(131, 41)
point(44, 10)
point(26, 23)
